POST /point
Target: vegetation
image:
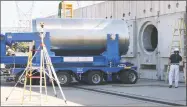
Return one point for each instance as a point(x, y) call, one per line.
point(20, 47)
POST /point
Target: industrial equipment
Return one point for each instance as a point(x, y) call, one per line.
point(83, 36)
point(109, 38)
point(65, 7)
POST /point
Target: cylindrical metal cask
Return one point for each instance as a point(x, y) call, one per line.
point(83, 36)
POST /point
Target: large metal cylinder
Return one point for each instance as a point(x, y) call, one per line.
point(83, 36)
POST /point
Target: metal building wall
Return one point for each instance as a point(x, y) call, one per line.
point(139, 14)
point(138, 9)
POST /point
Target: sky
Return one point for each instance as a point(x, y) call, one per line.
point(9, 13)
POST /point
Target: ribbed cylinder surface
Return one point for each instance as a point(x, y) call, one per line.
point(82, 36)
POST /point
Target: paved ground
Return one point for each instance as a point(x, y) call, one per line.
point(15, 99)
point(76, 97)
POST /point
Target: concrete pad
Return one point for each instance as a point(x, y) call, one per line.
point(148, 82)
point(15, 99)
point(156, 90)
point(78, 97)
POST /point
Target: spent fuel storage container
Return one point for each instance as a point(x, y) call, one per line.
point(82, 36)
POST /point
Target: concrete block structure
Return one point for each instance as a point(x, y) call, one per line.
point(151, 25)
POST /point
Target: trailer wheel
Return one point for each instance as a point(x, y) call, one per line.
point(64, 78)
point(129, 77)
point(21, 82)
point(94, 78)
point(34, 81)
point(81, 81)
point(114, 78)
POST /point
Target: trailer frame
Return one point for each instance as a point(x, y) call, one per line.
point(107, 65)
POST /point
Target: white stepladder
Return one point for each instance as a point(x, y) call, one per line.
point(45, 68)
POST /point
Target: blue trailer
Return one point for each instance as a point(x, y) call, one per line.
point(90, 69)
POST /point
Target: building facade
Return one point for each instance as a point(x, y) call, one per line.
point(151, 25)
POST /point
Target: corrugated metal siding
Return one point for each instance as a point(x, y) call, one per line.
point(133, 9)
point(93, 11)
point(181, 7)
point(126, 10)
point(114, 15)
point(89, 12)
point(136, 9)
point(78, 13)
point(84, 12)
point(155, 8)
point(172, 7)
point(100, 11)
point(119, 9)
point(97, 11)
point(147, 6)
point(165, 8)
point(110, 10)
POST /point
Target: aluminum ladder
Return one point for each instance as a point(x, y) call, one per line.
point(178, 33)
point(45, 63)
point(29, 75)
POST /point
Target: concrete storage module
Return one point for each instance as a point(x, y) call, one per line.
point(87, 49)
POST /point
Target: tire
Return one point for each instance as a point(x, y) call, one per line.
point(22, 80)
point(114, 78)
point(94, 78)
point(128, 77)
point(64, 78)
point(81, 81)
point(34, 81)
